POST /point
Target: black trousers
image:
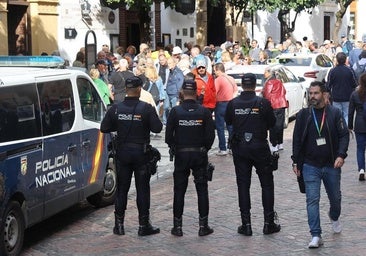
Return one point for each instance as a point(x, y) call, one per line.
point(246, 156)
point(132, 161)
point(184, 163)
point(276, 132)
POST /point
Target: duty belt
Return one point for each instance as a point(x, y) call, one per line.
point(133, 145)
point(192, 149)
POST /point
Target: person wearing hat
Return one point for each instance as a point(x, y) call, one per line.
point(251, 116)
point(206, 91)
point(102, 67)
point(177, 53)
point(346, 44)
point(196, 55)
point(190, 133)
point(133, 120)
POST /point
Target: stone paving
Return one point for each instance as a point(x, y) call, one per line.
point(83, 230)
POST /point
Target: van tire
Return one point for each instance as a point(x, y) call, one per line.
point(107, 196)
point(12, 230)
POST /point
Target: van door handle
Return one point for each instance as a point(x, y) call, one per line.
point(71, 148)
point(85, 143)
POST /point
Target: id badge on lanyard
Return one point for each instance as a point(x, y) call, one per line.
point(321, 140)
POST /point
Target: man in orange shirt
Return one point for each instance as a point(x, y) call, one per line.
point(226, 88)
point(205, 85)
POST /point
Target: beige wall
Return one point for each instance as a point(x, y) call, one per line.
point(44, 29)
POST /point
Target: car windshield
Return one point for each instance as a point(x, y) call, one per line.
point(295, 61)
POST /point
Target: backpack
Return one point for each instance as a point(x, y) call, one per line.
point(359, 69)
point(153, 89)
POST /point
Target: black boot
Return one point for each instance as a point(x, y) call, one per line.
point(177, 229)
point(270, 226)
point(118, 224)
point(145, 228)
point(246, 227)
point(204, 227)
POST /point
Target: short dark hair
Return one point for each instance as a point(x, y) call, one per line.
point(320, 84)
point(341, 58)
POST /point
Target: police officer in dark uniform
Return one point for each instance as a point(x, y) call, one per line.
point(251, 117)
point(190, 133)
point(133, 120)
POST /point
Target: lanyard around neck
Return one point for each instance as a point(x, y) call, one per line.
point(316, 121)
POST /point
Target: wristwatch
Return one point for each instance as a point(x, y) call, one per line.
point(294, 165)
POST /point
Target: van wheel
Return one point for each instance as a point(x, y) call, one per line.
point(107, 196)
point(287, 118)
point(12, 230)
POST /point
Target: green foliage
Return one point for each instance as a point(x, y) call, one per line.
point(296, 5)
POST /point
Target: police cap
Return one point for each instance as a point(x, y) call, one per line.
point(249, 79)
point(133, 82)
point(189, 85)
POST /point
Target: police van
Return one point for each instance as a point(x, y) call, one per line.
point(52, 153)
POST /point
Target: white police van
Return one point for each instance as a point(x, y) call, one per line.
point(52, 154)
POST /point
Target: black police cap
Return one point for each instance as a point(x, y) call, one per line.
point(248, 79)
point(133, 82)
point(189, 85)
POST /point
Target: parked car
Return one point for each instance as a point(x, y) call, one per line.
point(312, 66)
point(295, 92)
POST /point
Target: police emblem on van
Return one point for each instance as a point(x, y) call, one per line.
point(23, 165)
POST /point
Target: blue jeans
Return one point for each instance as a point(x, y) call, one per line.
point(220, 124)
point(332, 182)
point(169, 102)
point(361, 144)
point(343, 106)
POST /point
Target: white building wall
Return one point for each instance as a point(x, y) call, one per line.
point(361, 20)
point(310, 25)
point(176, 24)
point(71, 17)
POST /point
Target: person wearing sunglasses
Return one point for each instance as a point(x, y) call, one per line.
point(206, 91)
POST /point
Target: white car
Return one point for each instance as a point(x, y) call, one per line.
point(295, 92)
point(312, 66)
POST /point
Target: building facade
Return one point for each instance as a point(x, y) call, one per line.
point(38, 26)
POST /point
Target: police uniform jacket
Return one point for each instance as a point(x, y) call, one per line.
point(249, 113)
point(133, 120)
point(190, 125)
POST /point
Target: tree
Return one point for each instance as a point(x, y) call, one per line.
point(343, 5)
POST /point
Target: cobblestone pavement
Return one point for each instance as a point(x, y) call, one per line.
point(83, 230)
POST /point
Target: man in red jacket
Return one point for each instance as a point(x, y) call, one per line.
point(206, 91)
point(275, 92)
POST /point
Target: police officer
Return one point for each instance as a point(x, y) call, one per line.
point(133, 120)
point(190, 133)
point(251, 117)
